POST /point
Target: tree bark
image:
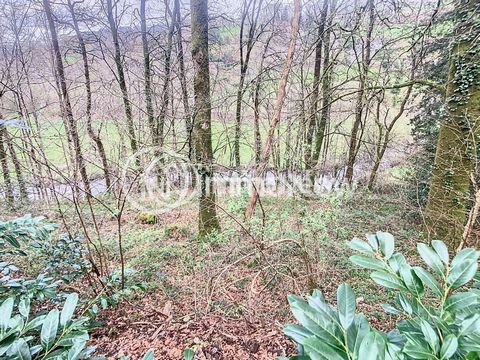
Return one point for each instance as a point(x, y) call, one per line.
point(147, 75)
point(86, 73)
point(121, 81)
point(326, 87)
point(202, 132)
point(267, 149)
point(312, 117)
point(182, 77)
point(166, 83)
point(457, 146)
point(65, 97)
point(244, 61)
point(17, 166)
point(256, 103)
point(9, 197)
point(360, 103)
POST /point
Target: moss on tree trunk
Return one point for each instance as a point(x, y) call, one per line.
point(459, 132)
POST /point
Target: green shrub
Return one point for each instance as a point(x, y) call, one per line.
point(438, 307)
point(55, 335)
point(66, 258)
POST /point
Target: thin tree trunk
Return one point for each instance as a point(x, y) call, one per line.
point(267, 149)
point(147, 74)
point(183, 79)
point(202, 132)
point(166, 83)
point(244, 61)
point(360, 103)
point(312, 115)
point(256, 103)
point(17, 166)
point(121, 81)
point(382, 146)
point(66, 105)
point(326, 87)
point(86, 72)
point(9, 197)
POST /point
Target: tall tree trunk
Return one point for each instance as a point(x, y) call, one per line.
point(86, 73)
point(9, 197)
point(312, 115)
point(183, 79)
point(459, 131)
point(121, 80)
point(282, 84)
point(326, 87)
point(166, 83)
point(360, 103)
point(202, 132)
point(244, 60)
point(17, 166)
point(66, 105)
point(147, 75)
point(256, 102)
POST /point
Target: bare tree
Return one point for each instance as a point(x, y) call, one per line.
point(202, 131)
point(282, 84)
point(66, 106)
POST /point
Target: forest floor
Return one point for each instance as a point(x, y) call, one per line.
point(226, 295)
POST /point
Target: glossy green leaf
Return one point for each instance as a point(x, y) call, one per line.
point(441, 250)
point(296, 332)
point(24, 307)
point(367, 262)
point(449, 346)
point(20, 350)
point(429, 280)
point(430, 335)
point(346, 305)
point(388, 280)
point(431, 258)
point(360, 246)
point(460, 301)
point(5, 313)
point(319, 350)
point(372, 239)
point(372, 347)
point(463, 268)
point(68, 309)
point(150, 355)
point(386, 243)
point(49, 329)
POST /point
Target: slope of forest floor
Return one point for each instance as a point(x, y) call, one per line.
point(226, 295)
